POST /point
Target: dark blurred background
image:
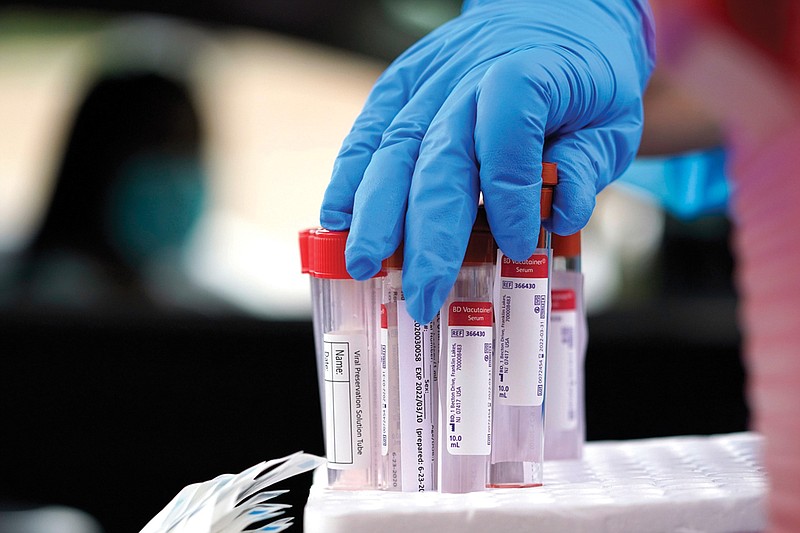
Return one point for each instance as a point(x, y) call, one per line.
point(380, 29)
point(141, 348)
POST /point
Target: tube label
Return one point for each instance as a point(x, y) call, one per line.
point(390, 415)
point(522, 300)
point(347, 410)
point(417, 402)
point(384, 381)
point(469, 378)
point(562, 369)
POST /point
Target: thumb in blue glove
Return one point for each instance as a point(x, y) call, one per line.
point(475, 106)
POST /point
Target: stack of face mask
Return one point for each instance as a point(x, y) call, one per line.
point(234, 502)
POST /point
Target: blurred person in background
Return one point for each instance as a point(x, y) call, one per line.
point(128, 193)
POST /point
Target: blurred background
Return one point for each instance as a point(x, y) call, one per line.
point(157, 160)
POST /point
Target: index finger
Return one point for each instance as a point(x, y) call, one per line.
point(386, 99)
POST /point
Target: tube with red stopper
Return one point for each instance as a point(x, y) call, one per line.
point(522, 303)
point(409, 401)
point(347, 317)
point(465, 368)
point(565, 420)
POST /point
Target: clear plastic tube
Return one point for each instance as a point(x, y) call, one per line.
point(389, 380)
point(522, 303)
point(305, 241)
point(349, 322)
point(522, 300)
point(409, 389)
point(565, 419)
point(467, 340)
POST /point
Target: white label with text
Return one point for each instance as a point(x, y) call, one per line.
point(417, 402)
point(467, 378)
point(347, 416)
point(562, 371)
point(522, 303)
point(384, 381)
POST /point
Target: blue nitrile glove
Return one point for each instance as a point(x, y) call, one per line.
point(688, 185)
point(476, 106)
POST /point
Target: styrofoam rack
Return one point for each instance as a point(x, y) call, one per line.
point(682, 484)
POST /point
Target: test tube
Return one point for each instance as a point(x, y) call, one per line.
point(565, 420)
point(349, 320)
point(305, 239)
point(522, 301)
point(409, 388)
point(465, 372)
point(389, 373)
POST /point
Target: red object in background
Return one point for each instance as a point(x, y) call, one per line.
point(771, 26)
point(742, 59)
point(768, 266)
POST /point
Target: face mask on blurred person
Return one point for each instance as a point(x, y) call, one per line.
point(154, 205)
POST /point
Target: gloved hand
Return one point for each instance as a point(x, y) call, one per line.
point(477, 105)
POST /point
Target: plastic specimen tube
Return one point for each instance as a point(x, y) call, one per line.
point(305, 240)
point(465, 371)
point(565, 419)
point(409, 389)
point(522, 303)
point(389, 377)
point(349, 321)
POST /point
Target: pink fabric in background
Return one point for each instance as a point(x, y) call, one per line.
point(758, 99)
point(767, 246)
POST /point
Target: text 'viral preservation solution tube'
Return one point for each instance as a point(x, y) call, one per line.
point(349, 321)
point(409, 401)
point(522, 301)
point(465, 369)
point(565, 422)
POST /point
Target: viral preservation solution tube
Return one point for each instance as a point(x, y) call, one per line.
point(305, 239)
point(409, 377)
point(465, 371)
point(565, 421)
point(349, 321)
point(521, 298)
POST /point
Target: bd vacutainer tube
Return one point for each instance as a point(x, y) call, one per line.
point(350, 323)
point(465, 369)
point(522, 301)
point(411, 387)
point(565, 419)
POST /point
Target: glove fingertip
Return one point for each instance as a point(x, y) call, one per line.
point(335, 220)
point(425, 294)
point(361, 267)
point(423, 308)
point(515, 229)
point(574, 197)
point(517, 249)
point(568, 219)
